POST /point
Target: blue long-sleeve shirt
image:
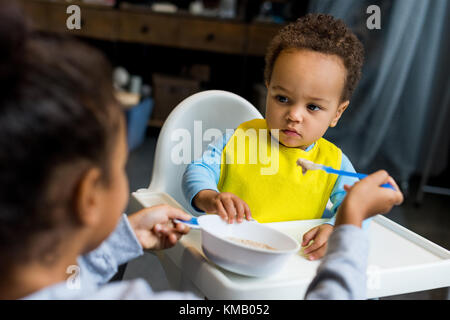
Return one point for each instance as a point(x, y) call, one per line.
point(204, 173)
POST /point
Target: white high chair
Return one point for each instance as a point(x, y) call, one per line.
point(400, 261)
point(215, 109)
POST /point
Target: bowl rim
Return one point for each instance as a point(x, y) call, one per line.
point(243, 246)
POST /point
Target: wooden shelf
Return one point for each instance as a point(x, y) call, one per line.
point(129, 24)
point(137, 24)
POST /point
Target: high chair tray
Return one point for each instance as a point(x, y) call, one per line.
point(400, 261)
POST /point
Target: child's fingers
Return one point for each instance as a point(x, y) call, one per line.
point(307, 237)
point(248, 213)
point(174, 233)
point(387, 199)
point(230, 209)
point(162, 229)
point(158, 228)
point(173, 238)
point(347, 187)
point(399, 196)
point(318, 253)
point(221, 211)
point(378, 178)
point(182, 228)
point(169, 241)
point(240, 211)
point(392, 182)
point(175, 213)
point(319, 240)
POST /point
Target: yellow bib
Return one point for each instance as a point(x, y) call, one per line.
point(273, 186)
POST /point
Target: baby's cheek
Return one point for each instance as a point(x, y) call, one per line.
point(273, 119)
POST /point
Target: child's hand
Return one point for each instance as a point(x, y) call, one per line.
point(320, 235)
point(227, 205)
point(154, 228)
point(367, 198)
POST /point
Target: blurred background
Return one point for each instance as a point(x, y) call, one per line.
point(398, 119)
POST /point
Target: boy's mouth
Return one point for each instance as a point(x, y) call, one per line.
point(291, 133)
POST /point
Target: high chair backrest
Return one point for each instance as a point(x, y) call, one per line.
point(188, 130)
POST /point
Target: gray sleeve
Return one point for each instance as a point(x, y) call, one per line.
point(137, 289)
point(342, 273)
point(99, 265)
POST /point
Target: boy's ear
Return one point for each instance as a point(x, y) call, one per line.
point(340, 110)
point(88, 198)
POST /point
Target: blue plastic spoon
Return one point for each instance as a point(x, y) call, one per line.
point(193, 222)
point(309, 165)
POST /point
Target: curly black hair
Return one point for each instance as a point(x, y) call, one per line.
point(325, 34)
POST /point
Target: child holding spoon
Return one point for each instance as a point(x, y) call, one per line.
point(312, 68)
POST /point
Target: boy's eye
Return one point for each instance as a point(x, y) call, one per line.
point(282, 99)
point(313, 107)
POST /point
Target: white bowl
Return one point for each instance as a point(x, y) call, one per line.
point(241, 258)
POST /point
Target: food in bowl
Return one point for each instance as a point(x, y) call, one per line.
point(251, 243)
point(244, 259)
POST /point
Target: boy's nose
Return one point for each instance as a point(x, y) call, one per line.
point(295, 115)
